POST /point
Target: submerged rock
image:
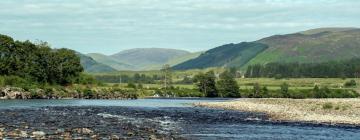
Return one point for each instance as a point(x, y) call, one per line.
point(38, 134)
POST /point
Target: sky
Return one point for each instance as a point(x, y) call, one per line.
point(110, 26)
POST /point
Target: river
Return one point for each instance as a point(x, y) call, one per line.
point(159, 118)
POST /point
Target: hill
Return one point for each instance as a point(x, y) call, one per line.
point(90, 65)
point(110, 61)
point(148, 58)
point(229, 55)
point(312, 46)
point(319, 30)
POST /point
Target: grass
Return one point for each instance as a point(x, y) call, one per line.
point(328, 105)
point(274, 84)
point(296, 82)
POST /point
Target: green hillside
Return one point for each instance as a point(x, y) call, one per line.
point(181, 59)
point(311, 46)
point(107, 60)
point(177, 60)
point(230, 55)
point(90, 65)
point(148, 58)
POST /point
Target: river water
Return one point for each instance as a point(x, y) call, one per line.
point(178, 117)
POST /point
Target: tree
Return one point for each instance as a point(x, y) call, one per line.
point(38, 62)
point(227, 85)
point(206, 84)
point(68, 66)
point(264, 92)
point(256, 90)
point(284, 88)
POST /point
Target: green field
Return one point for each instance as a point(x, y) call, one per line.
point(271, 83)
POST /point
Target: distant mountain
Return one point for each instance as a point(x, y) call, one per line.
point(311, 46)
point(148, 58)
point(110, 61)
point(90, 65)
point(230, 55)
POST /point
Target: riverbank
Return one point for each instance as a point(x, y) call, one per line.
point(328, 111)
point(75, 92)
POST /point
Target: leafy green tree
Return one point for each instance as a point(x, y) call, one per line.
point(264, 92)
point(227, 85)
point(69, 66)
point(284, 88)
point(38, 62)
point(256, 90)
point(206, 84)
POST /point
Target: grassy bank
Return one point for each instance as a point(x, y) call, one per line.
point(332, 111)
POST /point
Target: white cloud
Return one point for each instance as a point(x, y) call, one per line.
point(200, 22)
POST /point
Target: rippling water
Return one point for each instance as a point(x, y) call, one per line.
point(82, 102)
point(196, 123)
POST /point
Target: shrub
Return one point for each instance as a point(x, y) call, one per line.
point(351, 83)
point(88, 93)
point(278, 76)
point(14, 81)
point(327, 105)
point(140, 86)
point(285, 90)
point(131, 85)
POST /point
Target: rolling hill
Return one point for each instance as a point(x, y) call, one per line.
point(311, 46)
point(107, 60)
point(229, 55)
point(148, 58)
point(90, 65)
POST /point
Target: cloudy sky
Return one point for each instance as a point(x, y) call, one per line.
point(109, 26)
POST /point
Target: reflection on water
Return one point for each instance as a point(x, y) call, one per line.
point(82, 102)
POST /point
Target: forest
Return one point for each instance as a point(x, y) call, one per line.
point(38, 63)
point(332, 69)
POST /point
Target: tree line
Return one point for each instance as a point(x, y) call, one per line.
point(332, 69)
point(38, 62)
point(135, 78)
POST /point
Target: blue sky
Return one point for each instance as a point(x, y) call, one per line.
point(109, 26)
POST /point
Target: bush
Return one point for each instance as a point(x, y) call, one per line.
point(131, 85)
point(14, 81)
point(327, 106)
point(278, 76)
point(2, 81)
point(88, 93)
point(86, 79)
point(351, 83)
point(285, 90)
